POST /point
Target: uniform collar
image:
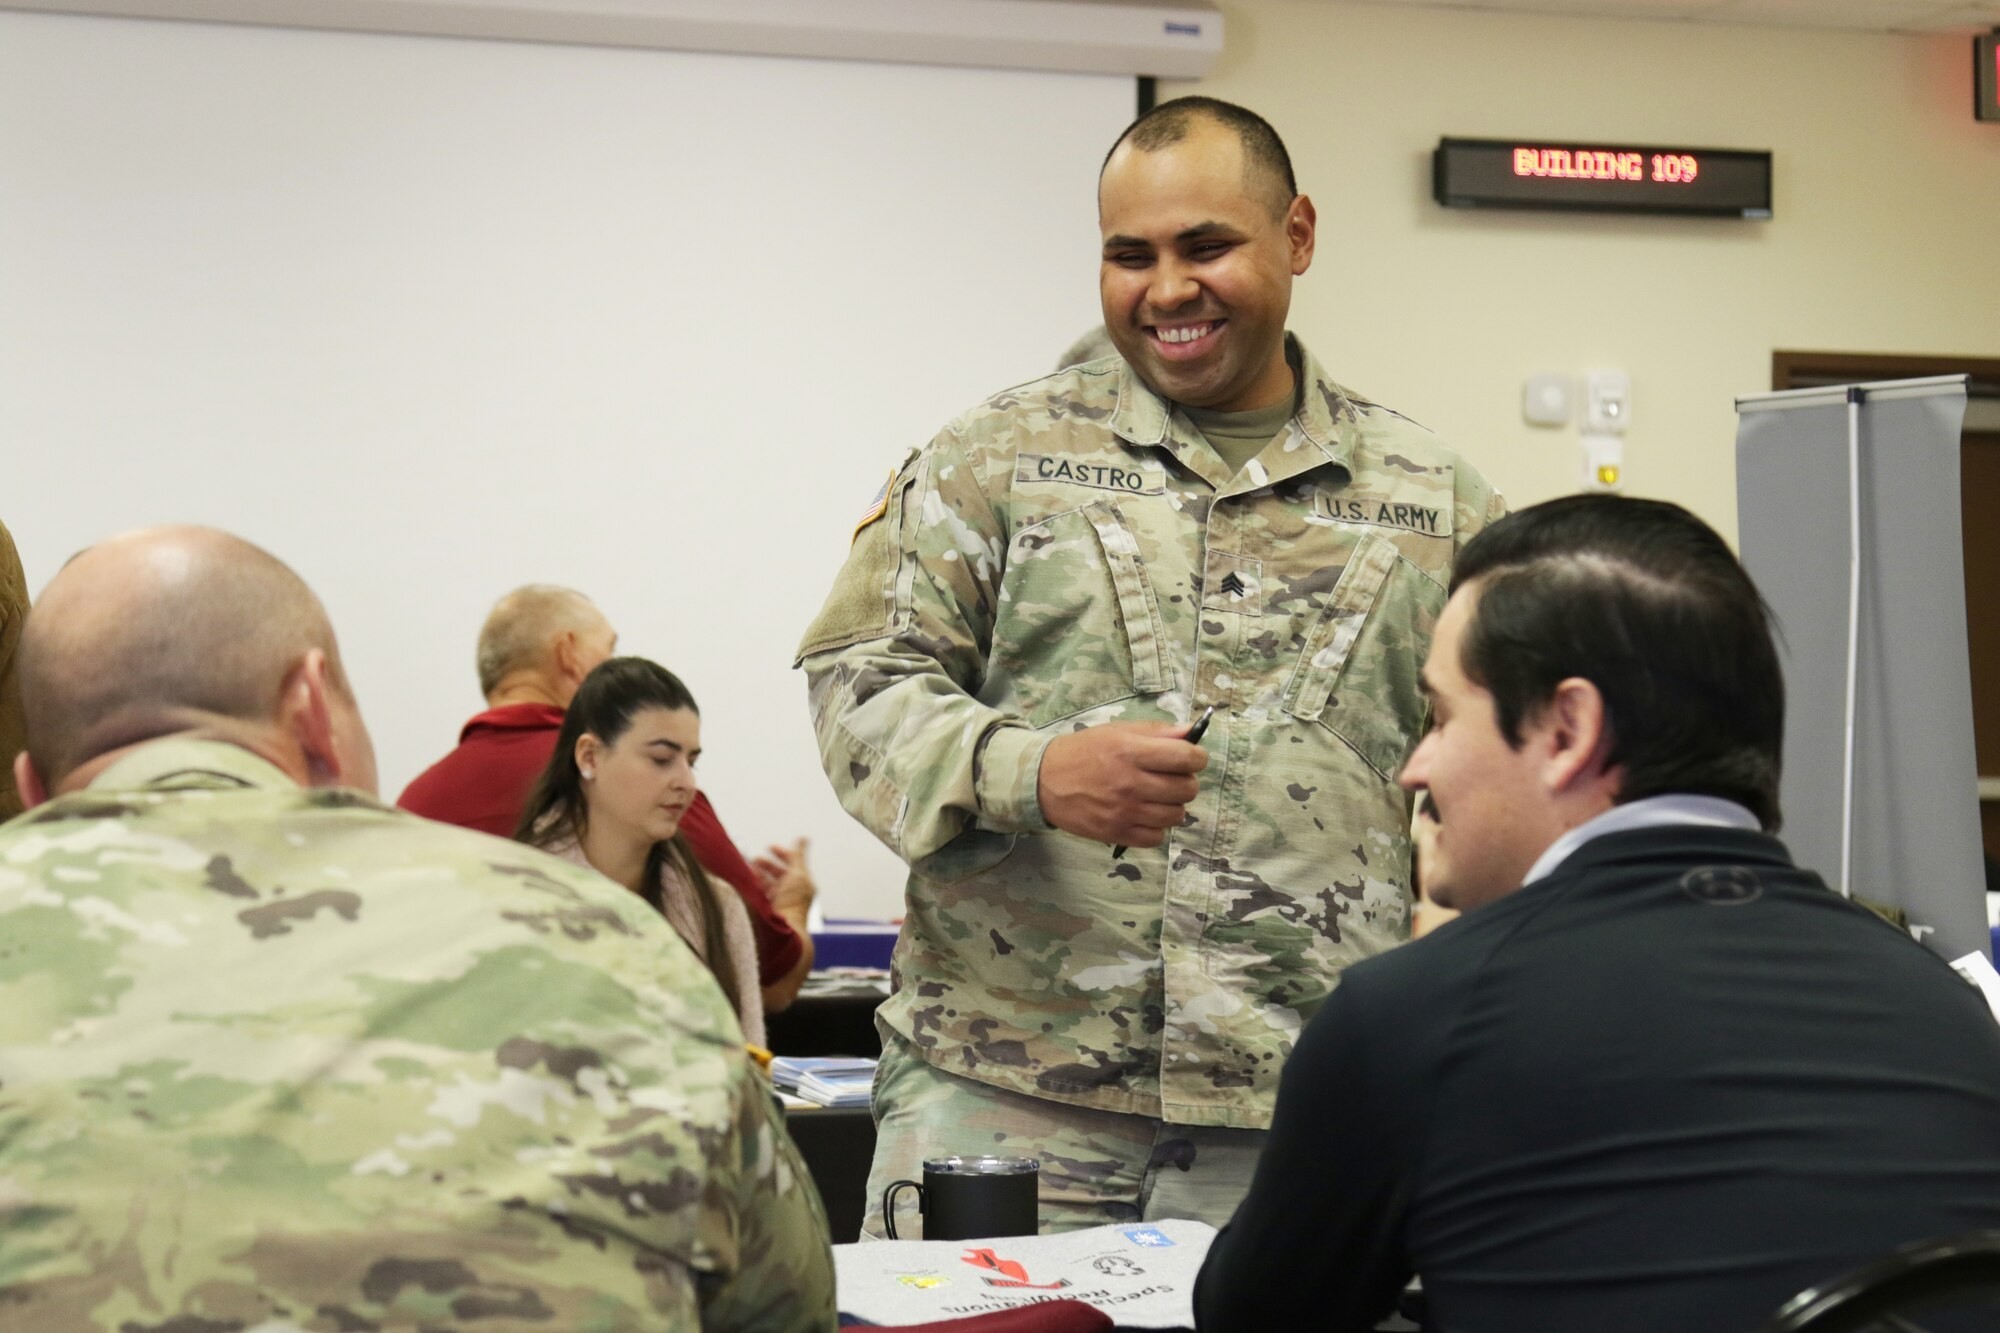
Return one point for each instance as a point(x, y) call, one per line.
point(180, 763)
point(1322, 431)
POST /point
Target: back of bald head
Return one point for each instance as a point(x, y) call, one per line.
point(521, 629)
point(159, 632)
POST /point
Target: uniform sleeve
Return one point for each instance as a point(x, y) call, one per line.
point(1477, 502)
point(1320, 1233)
point(783, 1279)
point(897, 657)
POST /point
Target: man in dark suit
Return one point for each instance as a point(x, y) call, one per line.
point(1657, 1077)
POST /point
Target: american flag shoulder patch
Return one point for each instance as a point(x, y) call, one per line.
point(879, 505)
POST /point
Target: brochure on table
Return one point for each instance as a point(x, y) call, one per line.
point(825, 1080)
point(1140, 1273)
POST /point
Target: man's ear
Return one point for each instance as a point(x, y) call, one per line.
point(305, 712)
point(1575, 731)
point(28, 783)
point(1301, 233)
point(562, 651)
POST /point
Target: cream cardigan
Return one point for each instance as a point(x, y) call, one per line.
point(684, 914)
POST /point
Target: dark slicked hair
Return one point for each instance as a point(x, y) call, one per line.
point(1169, 122)
point(1646, 602)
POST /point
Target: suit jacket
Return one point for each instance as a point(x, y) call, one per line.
point(1664, 1088)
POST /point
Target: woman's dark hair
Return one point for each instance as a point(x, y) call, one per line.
point(1643, 600)
point(557, 810)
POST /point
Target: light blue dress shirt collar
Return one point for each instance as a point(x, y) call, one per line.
point(1651, 812)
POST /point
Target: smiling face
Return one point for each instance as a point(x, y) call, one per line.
point(1486, 815)
point(642, 784)
point(1197, 269)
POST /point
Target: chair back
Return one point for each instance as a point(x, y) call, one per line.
point(1929, 1275)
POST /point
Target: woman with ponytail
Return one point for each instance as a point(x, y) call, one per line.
point(612, 797)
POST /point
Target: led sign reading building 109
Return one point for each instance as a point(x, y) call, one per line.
point(1624, 178)
point(1595, 164)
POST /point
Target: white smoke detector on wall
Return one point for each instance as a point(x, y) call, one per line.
point(1545, 400)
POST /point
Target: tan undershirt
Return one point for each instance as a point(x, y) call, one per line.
point(1240, 436)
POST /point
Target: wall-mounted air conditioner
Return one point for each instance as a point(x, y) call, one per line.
point(1082, 36)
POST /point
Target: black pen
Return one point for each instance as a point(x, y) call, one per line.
point(1193, 737)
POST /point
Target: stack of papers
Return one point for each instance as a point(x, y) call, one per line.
point(827, 982)
point(825, 1080)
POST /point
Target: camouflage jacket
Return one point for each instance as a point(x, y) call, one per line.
point(1073, 552)
point(288, 1059)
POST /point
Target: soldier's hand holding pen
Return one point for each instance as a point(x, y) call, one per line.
point(1122, 783)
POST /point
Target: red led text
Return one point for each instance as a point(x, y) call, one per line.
point(1596, 164)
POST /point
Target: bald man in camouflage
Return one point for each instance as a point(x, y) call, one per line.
point(1032, 613)
point(274, 1055)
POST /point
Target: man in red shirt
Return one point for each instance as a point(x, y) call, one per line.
point(537, 645)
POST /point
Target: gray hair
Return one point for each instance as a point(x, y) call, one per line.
point(520, 626)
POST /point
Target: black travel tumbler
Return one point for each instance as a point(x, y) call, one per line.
point(970, 1198)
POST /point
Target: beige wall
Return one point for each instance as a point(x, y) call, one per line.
point(1887, 213)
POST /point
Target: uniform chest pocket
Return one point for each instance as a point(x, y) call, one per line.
point(1358, 674)
point(1079, 623)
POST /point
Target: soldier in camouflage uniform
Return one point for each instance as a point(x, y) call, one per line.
point(275, 1056)
point(1040, 602)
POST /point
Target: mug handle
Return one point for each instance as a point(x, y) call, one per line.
point(889, 1204)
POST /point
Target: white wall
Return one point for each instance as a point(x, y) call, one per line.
point(1887, 196)
point(432, 318)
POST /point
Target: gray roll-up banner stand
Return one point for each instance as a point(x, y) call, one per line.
point(1848, 517)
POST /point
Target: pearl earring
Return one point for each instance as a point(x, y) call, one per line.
point(589, 773)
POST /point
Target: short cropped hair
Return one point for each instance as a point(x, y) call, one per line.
point(521, 625)
point(216, 638)
point(1646, 602)
point(1169, 122)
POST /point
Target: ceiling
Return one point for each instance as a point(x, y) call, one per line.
point(1927, 16)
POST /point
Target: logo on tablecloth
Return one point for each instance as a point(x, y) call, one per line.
point(1149, 1236)
point(1013, 1275)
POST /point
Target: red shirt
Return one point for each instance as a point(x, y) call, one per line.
point(484, 783)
